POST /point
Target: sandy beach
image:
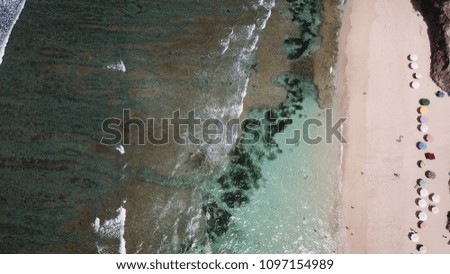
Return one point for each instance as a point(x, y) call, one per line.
point(379, 211)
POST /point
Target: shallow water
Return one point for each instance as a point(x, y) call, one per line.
point(293, 210)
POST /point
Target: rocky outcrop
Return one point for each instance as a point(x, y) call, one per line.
point(436, 14)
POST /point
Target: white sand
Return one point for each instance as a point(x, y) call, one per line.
point(373, 80)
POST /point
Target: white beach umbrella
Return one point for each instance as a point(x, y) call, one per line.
point(413, 57)
point(422, 203)
point(422, 216)
point(424, 128)
point(434, 210)
point(423, 249)
point(423, 192)
point(415, 84)
point(417, 75)
point(435, 198)
point(413, 65)
point(414, 237)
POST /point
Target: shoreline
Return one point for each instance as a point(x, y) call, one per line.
point(378, 210)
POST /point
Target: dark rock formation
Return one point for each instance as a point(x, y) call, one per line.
point(436, 14)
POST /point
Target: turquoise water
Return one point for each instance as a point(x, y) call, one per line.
point(294, 208)
point(65, 72)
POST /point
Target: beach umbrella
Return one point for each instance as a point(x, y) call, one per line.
point(423, 192)
point(422, 203)
point(413, 65)
point(422, 216)
point(424, 102)
point(429, 138)
point(424, 128)
point(435, 198)
point(440, 94)
point(430, 174)
point(421, 146)
point(422, 164)
point(423, 119)
point(434, 209)
point(414, 237)
point(415, 84)
point(430, 156)
point(417, 75)
point(422, 249)
point(422, 183)
point(423, 110)
point(412, 57)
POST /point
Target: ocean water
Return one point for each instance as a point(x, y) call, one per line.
point(62, 75)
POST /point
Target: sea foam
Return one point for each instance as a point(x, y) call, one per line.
point(9, 13)
point(118, 66)
point(113, 228)
point(242, 41)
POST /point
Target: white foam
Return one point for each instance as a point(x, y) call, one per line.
point(121, 149)
point(225, 43)
point(113, 228)
point(242, 42)
point(12, 9)
point(263, 22)
point(118, 66)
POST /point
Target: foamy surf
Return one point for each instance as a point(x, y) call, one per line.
point(242, 41)
point(113, 229)
point(121, 149)
point(118, 66)
point(9, 14)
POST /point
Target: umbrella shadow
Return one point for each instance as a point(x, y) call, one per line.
point(418, 127)
point(417, 213)
point(424, 103)
point(417, 201)
point(419, 162)
point(418, 144)
point(420, 224)
point(419, 183)
point(440, 94)
point(430, 174)
point(418, 191)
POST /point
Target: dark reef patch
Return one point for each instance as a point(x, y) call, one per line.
point(306, 16)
